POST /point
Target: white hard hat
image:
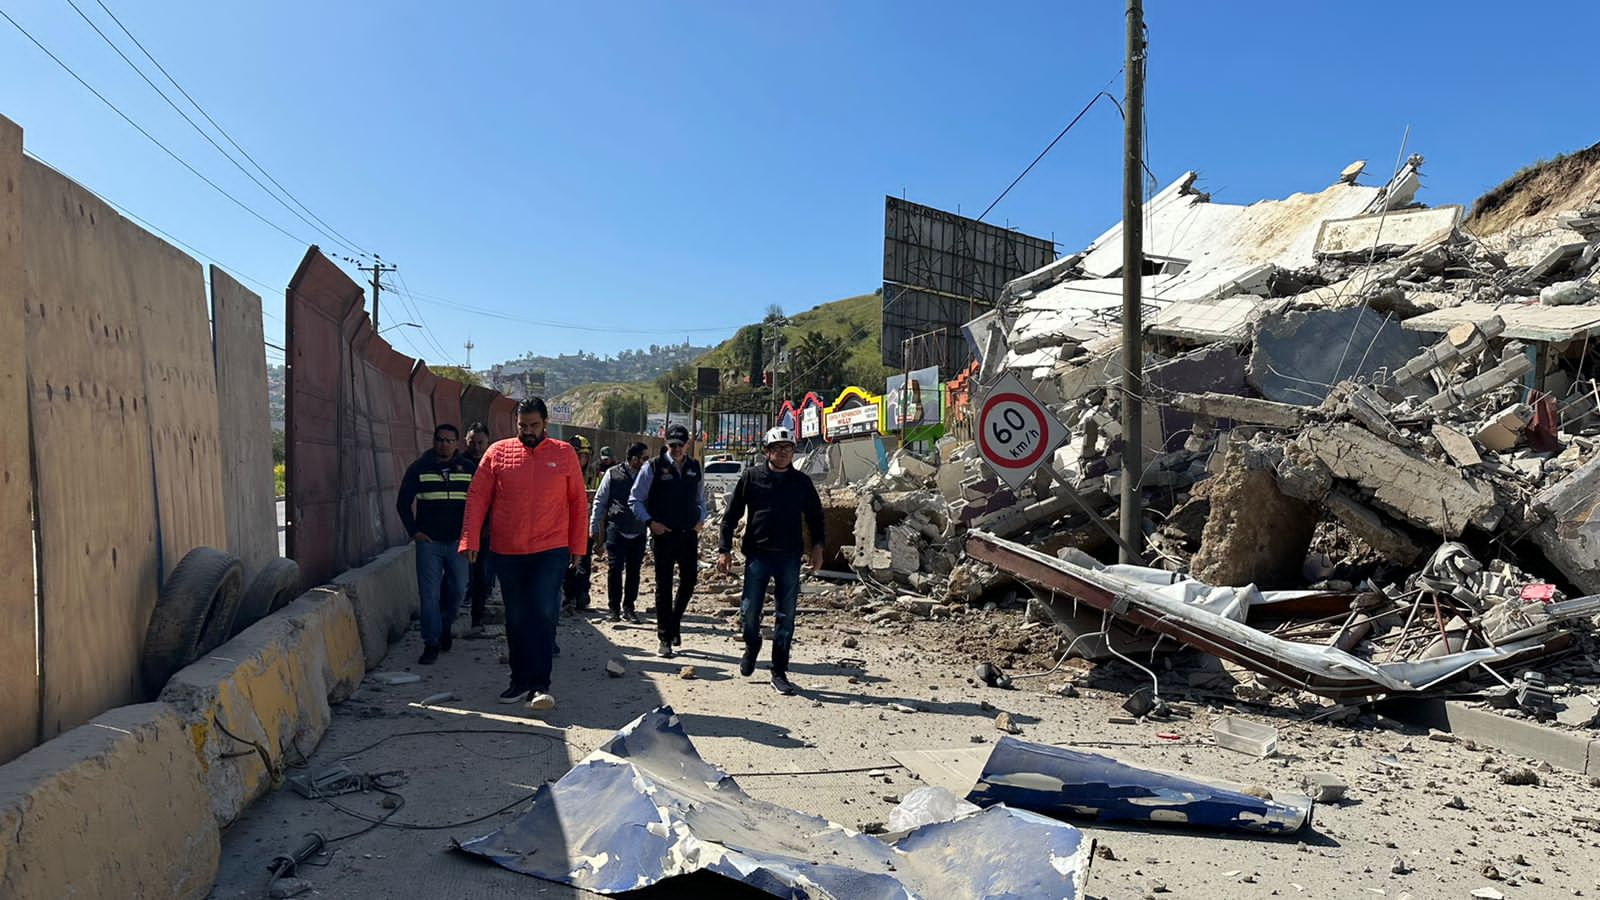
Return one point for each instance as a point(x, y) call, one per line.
point(778, 435)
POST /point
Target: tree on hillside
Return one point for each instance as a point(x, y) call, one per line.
point(678, 385)
point(456, 373)
point(757, 356)
point(623, 412)
point(815, 364)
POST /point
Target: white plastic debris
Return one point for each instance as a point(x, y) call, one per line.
point(927, 805)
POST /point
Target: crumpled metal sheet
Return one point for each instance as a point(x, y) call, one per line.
point(645, 807)
point(1058, 781)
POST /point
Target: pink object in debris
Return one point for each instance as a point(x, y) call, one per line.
point(1544, 593)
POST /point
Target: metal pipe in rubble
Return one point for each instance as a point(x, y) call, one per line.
point(1132, 265)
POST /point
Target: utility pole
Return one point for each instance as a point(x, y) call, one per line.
point(1132, 266)
point(377, 269)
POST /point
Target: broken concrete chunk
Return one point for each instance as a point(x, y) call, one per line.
point(1434, 495)
point(1324, 787)
point(1457, 446)
point(1370, 527)
point(1242, 409)
point(1504, 429)
point(1256, 534)
point(1003, 722)
point(615, 668)
point(1579, 712)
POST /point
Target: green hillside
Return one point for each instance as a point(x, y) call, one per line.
point(831, 345)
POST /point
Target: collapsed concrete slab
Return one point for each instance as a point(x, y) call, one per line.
point(1300, 355)
point(384, 595)
point(1434, 495)
point(113, 808)
point(269, 690)
point(1568, 532)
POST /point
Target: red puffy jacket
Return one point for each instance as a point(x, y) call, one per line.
point(534, 499)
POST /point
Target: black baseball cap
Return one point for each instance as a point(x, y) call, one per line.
point(677, 434)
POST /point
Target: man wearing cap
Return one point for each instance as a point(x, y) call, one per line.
point(778, 497)
point(618, 532)
point(601, 465)
point(669, 497)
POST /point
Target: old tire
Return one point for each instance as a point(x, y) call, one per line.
point(193, 616)
point(270, 590)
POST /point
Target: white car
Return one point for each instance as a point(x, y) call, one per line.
point(722, 473)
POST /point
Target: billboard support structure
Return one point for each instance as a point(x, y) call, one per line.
point(940, 271)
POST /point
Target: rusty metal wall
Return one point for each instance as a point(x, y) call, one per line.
point(19, 699)
point(447, 403)
point(503, 417)
point(475, 403)
point(316, 392)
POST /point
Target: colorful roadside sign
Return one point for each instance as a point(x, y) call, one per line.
point(1015, 431)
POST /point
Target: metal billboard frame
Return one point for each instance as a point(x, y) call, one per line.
point(940, 271)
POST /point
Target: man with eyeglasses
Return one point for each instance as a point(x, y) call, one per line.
point(669, 497)
point(437, 484)
point(778, 498)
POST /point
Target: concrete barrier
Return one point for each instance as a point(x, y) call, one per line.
point(384, 594)
point(262, 700)
point(113, 808)
point(1576, 751)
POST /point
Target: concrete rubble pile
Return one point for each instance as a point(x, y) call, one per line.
point(1343, 392)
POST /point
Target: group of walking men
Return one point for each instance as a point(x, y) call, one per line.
point(518, 511)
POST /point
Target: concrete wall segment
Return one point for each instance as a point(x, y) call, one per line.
point(246, 428)
point(113, 808)
point(19, 702)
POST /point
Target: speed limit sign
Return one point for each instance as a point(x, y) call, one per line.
point(1015, 431)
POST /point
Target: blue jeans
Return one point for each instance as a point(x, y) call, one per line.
point(439, 561)
point(530, 584)
point(758, 571)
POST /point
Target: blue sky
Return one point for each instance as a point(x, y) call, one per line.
point(650, 172)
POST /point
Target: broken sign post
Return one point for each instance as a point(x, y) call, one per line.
point(1015, 431)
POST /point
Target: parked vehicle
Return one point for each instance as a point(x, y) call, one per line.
point(722, 473)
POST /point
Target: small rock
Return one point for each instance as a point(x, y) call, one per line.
point(1068, 690)
point(851, 643)
point(686, 672)
point(1443, 737)
point(1399, 866)
point(615, 668)
point(1003, 722)
point(1519, 777)
point(1490, 872)
point(901, 707)
point(393, 678)
point(978, 739)
point(1487, 893)
point(1324, 788)
point(288, 887)
point(1258, 792)
point(1456, 802)
point(1104, 852)
point(873, 828)
point(441, 697)
point(390, 801)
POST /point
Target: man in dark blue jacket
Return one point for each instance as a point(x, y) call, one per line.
point(778, 498)
point(437, 483)
point(621, 534)
point(669, 496)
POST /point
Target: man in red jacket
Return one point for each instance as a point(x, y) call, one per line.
point(531, 491)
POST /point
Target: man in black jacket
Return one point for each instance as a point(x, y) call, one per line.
point(669, 497)
point(619, 533)
point(437, 482)
point(777, 497)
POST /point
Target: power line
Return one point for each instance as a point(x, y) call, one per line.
point(493, 314)
point(427, 332)
point(139, 128)
point(222, 131)
point(192, 124)
point(1050, 146)
point(123, 210)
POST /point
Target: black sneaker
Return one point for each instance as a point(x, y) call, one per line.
point(513, 694)
point(780, 683)
point(430, 655)
point(634, 618)
point(614, 618)
point(747, 663)
point(445, 640)
point(677, 640)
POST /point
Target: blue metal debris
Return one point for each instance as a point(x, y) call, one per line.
point(645, 807)
point(1058, 781)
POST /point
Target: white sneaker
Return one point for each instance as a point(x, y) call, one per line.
point(665, 649)
point(540, 701)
